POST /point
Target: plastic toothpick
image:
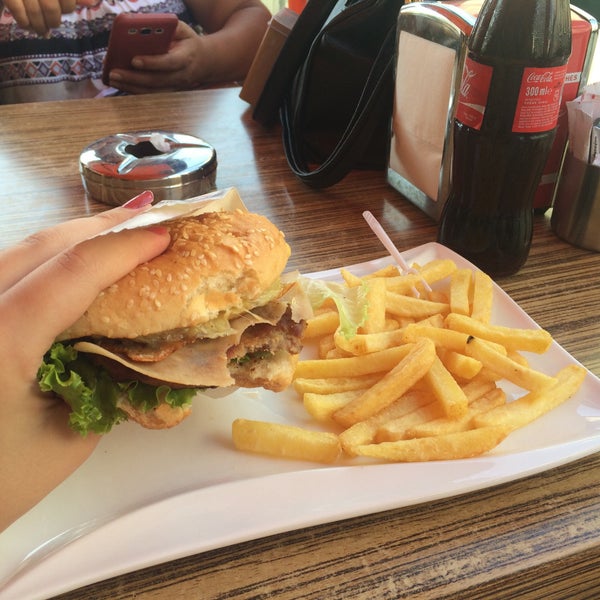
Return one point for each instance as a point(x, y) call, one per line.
point(391, 248)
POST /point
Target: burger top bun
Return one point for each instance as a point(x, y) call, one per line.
point(216, 263)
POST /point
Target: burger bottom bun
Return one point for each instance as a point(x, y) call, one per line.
point(163, 416)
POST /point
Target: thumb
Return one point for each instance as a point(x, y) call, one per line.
point(57, 293)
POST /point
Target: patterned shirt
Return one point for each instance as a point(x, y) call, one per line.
point(68, 64)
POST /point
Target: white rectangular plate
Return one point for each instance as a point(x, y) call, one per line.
point(146, 497)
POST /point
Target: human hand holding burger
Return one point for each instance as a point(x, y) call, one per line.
point(139, 321)
point(46, 283)
point(212, 311)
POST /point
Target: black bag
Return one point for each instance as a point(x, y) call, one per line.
point(333, 84)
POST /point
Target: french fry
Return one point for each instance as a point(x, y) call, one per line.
point(432, 272)
point(451, 398)
point(530, 340)
point(531, 406)
point(364, 432)
point(330, 385)
point(460, 286)
point(391, 324)
point(507, 368)
point(478, 386)
point(446, 338)
point(443, 425)
point(375, 362)
point(439, 296)
point(337, 352)
point(321, 324)
point(436, 270)
point(451, 446)
point(403, 284)
point(518, 357)
point(415, 308)
point(398, 428)
point(322, 406)
point(460, 365)
point(350, 278)
point(285, 441)
point(483, 295)
point(387, 271)
point(365, 343)
point(325, 345)
point(390, 387)
point(436, 320)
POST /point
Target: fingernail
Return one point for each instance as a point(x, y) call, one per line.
point(141, 200)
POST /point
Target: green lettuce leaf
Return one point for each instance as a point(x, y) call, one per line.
point(93, 395)
point(351, 302)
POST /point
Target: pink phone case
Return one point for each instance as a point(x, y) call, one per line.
point(137, 34)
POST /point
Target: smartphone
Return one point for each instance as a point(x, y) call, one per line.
point(137, 34)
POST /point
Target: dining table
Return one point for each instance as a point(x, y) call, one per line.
point(531, 536)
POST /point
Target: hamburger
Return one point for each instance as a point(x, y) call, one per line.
point(212, 311)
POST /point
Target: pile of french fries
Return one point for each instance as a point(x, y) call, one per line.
point(422, 379)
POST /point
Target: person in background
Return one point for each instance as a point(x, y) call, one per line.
point(46, 283)
point(54, 49)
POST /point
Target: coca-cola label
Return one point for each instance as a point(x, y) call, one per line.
point(474, 89)
point(539, 99)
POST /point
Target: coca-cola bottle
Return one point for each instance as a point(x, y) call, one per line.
point(504, 128)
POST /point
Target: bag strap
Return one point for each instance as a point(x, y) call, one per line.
point(358, 132)
point(293, 53)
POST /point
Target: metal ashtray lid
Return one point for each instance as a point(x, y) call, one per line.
point(174, 166)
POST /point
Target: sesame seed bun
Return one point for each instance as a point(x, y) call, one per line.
point(217, 264)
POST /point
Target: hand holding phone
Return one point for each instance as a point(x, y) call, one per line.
point(137, 34)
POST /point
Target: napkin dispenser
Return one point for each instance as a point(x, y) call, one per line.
point(431, 49)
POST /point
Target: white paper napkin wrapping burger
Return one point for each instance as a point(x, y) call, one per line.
point(219, 200)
